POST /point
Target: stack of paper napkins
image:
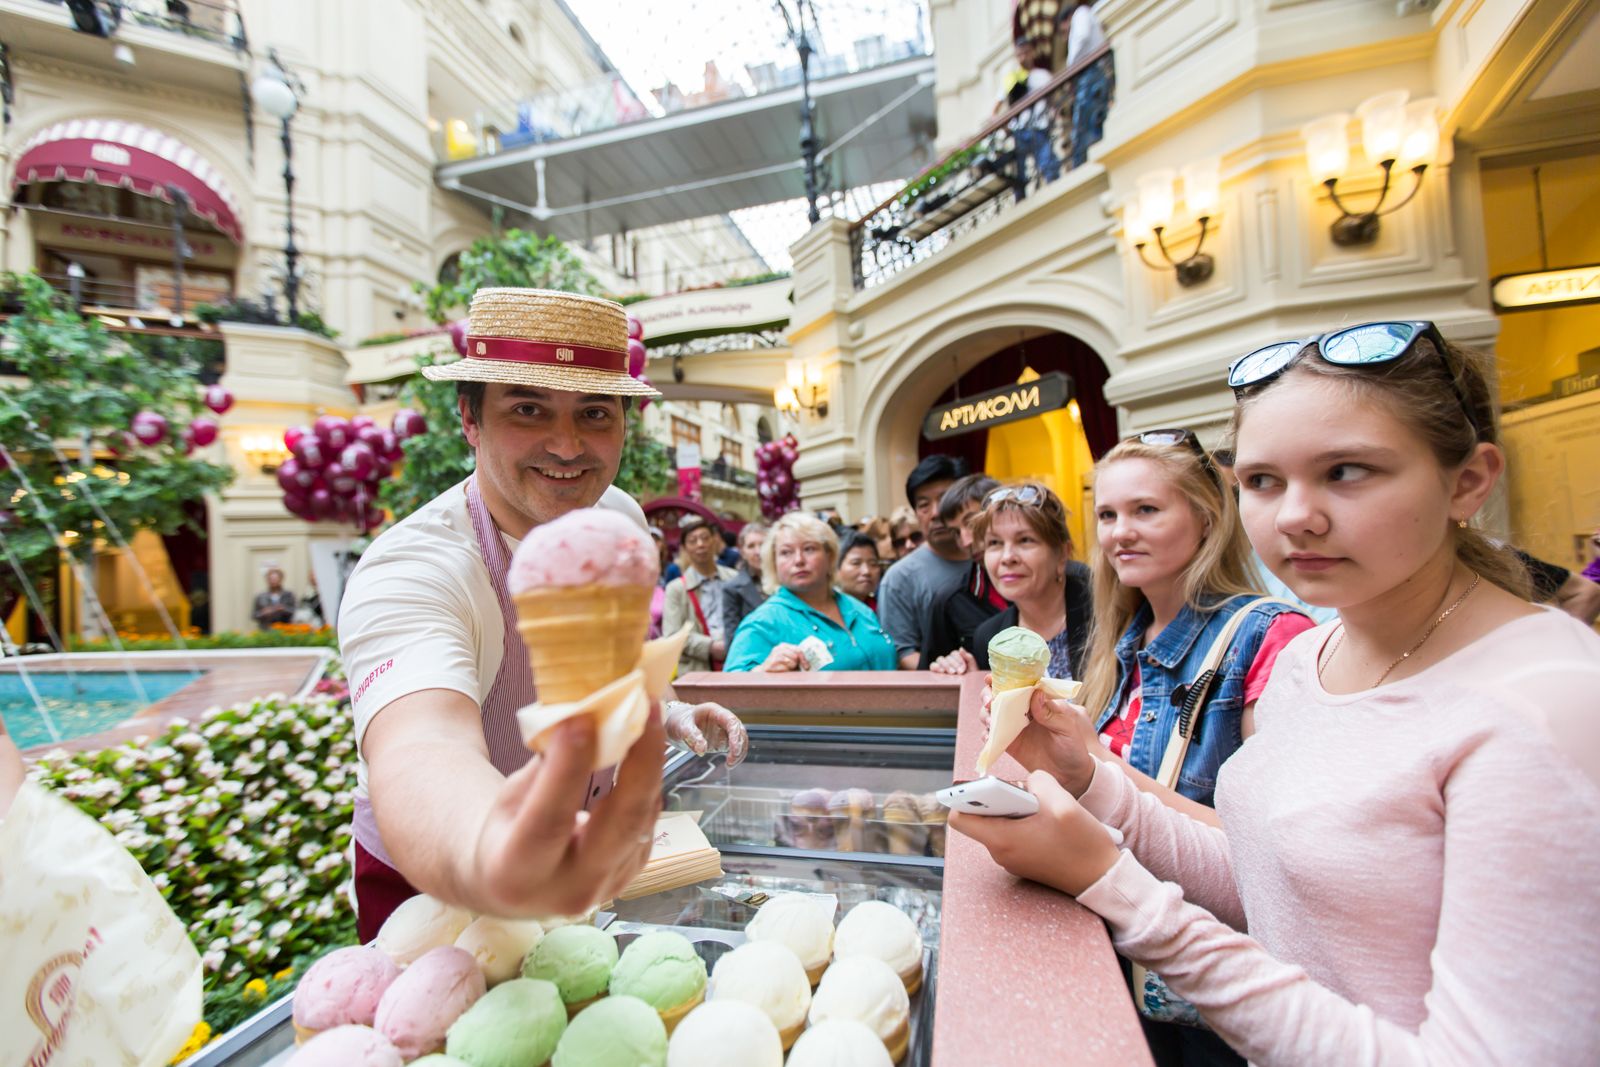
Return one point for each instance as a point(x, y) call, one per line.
point(681, 856)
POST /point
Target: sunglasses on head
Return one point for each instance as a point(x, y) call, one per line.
point(1026, 495)
point(1372, 344)
point(1186, 438)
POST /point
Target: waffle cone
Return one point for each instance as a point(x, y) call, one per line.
point(582, 638)
point(1008, 673)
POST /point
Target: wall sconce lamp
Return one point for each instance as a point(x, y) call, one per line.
point(802, 390)
point(1393, 133)
point(1153, 209)
point(264, 451)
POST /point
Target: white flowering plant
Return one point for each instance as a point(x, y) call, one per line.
point(242, 819)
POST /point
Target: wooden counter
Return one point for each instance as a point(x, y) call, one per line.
point(1027, 977)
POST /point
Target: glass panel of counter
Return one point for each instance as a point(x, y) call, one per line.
point(824, 790)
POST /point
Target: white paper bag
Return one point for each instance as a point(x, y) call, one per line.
point(97, 970)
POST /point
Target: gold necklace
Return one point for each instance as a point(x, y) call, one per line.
point(1339, 642)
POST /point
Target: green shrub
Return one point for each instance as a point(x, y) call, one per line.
point(278, 637)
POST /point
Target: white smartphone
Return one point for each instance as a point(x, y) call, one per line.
point(989, 796)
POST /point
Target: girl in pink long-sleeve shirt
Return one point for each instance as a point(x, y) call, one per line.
point(1407, 866)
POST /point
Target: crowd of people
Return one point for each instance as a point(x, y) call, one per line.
point(1392, 739)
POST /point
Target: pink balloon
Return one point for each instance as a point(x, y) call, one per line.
point(458, 336)
point(358, 460)
point(409, 423)
point(789, 455)
point(121, 443)
point(381, 470)
point(635, 329)
point(218, 399)
point(388, 447)
point(339, 480)
point(333, 432)
point(789, 440)
point(782, 481)
point(203, 431)
point(321, 502)
point(149, 427)
point(293, 434)
point(361, 422)
point(636, 358)
point(370, 435)
point(289, 475)
point(310, 452)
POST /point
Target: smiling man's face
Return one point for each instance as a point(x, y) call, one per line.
point(543, 452)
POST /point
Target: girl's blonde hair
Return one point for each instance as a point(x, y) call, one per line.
point(808, 528)
point(1223, 566)
point(1443, 395)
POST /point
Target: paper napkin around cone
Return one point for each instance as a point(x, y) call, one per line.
point(620, 709)
point(1008, 716)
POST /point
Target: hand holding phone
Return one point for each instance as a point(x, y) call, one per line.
point(989, 796)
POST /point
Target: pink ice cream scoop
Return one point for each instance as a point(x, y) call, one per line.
point(591, 546)
point(347, 1046)
point(419, 1006)
point(343, 987)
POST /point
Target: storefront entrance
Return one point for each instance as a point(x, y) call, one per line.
point(1057, 446)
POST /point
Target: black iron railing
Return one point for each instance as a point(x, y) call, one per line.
point(212, 20)
point(1032, 144)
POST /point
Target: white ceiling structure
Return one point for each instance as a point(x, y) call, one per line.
point(872, 125)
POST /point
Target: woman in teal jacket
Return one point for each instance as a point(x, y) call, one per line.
point(797, 565)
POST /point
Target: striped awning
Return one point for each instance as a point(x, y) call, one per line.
point(131, 156)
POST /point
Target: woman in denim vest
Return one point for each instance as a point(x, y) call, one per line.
point(1171, 567)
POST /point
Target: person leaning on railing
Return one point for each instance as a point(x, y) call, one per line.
point(804, 611)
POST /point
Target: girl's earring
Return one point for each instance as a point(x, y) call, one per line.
point(1461, 524)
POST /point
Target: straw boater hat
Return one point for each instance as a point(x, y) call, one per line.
point(546, 339)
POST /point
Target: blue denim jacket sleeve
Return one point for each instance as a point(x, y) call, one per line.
point(1168, 666)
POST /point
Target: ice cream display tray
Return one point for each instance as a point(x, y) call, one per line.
point(712, 944)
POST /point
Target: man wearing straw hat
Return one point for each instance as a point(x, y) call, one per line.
point(448, 800)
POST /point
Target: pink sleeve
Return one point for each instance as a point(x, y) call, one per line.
point(1168, 842)
point(1515, 959)
point(1284, 628)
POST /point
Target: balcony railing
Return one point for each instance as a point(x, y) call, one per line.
point(218, 21)
point(1037, 140)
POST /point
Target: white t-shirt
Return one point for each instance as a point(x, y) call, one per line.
point(420, 613)
point(1085, 35)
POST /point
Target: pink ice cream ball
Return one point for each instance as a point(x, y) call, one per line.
point(347, 1046)
point(419, 1006)
point(343, 987)
point(591, 546)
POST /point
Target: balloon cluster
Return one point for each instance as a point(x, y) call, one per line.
point(151, 428)
point(335, 465)
point(775, 481)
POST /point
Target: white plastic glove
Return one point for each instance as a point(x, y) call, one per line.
point(703, 728)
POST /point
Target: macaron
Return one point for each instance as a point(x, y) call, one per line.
point(578, 959)
point(768, 975)
point(882, 931)
point(728, 1033)
point(500, 945)
point(614, 1032)
point(342, 988)
point(418, 1007)
point(663, 970)
point(866, 990)
point(518, 1023)
point(799, 922)
point(420, 923)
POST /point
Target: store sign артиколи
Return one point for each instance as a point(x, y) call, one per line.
point(1546, 288)
point(994, 407)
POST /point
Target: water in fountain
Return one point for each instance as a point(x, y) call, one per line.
point(85, 486)
point(85, 580)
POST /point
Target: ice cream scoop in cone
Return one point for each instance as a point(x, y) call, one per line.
point(1017, 659)
point(582, 638)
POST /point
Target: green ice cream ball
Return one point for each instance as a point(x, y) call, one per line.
point(1018, 643)
point(578, 959)
point(515, 1024)
point(614, 1032)
point(660, 969)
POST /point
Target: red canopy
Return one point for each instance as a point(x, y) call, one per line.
point(135, 157)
